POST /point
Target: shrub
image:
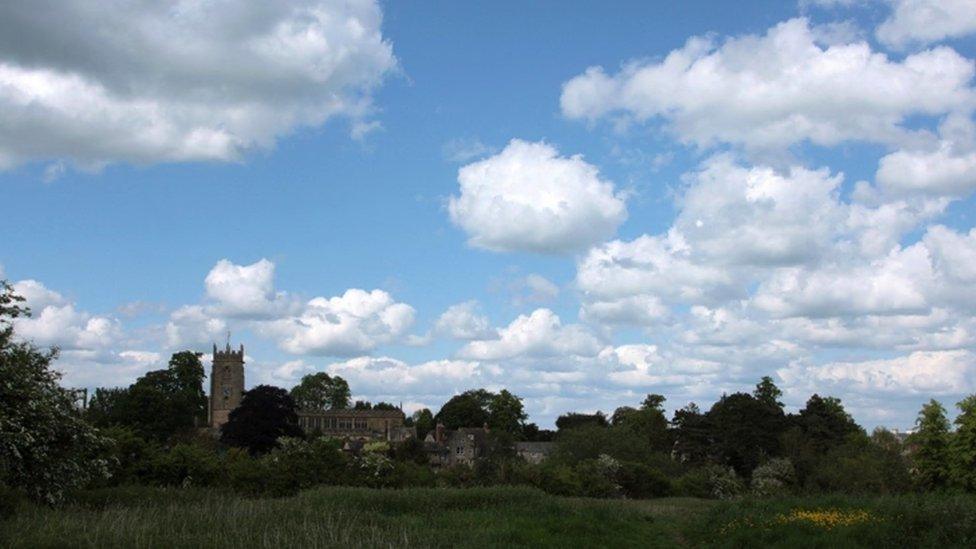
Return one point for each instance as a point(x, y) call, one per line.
point(712, 481)
point(184, 465)
point(639, 481)
point(725, 483)
point(776, 477)
point(597, 477)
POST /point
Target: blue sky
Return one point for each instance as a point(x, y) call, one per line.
point(703, 237)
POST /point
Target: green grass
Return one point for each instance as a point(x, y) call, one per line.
point(484, 517)
point(348, 517)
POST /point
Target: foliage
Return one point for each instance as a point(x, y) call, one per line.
point(184, 465)
point(266, 414)
point(574, 420)
point(46, 447)
point(506, 413)
point(963, 446)
point(478, 407)
point(776, 477)
point(320, 391)
point(423, 420)
point(931, 440)
point(640, 481)
point(744, 430)
point(160, 404)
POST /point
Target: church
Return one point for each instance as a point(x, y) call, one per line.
point(227, 390)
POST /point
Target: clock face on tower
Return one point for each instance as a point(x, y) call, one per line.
point(226, 392)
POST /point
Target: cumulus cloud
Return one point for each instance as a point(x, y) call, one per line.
point(463, 321)
point(945, 167)
point(914, 22)
point(245, 290)
point(56, 322)
point(528, 198)
point(354, 323)
point(538, 334)
point(388, 376)
point(768, 92)
point(925, 373)
point(192, 325)
point(180, 81)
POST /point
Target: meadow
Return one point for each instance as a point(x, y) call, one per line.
point(482, 517)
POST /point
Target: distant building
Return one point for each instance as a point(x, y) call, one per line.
point(367, 425)
point(226, 384)
point(456, 447)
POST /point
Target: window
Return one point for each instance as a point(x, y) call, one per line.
point(360, 424)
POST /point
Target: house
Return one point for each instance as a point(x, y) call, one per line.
point(462, 446)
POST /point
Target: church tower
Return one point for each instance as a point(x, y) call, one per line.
point(226, 383)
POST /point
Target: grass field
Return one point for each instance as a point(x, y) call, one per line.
point(484, 517)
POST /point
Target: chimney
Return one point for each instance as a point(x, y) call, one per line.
point(439, 433)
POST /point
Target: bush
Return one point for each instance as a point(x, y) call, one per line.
point(712, 481)
point(776, 477)
point(255, 477)
point(184, 465)
point(638, 481)
point(598, 477)
point(310, 463)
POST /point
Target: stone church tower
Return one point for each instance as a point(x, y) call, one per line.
point(226, 383)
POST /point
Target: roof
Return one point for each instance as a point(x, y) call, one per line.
point(352, 413)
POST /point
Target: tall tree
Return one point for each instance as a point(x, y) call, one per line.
point(692, 434)
point(266, 414)
point(745, 431)
point(423, 420)
point(468, 409)
point(46, 447)
point(963, 445)
point(320, 391)
point(505, 413)
point(768, 393)
point(931, 441)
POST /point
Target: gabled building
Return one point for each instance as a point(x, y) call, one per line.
point(365, 425)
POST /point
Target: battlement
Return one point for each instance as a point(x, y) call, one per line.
point(228, 353)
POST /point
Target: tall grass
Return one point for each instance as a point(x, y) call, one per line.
point(333, 517)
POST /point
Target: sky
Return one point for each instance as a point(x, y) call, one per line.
point(582, 203)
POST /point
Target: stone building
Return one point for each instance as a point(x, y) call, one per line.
point(371, 425)
point(226, 383)
point(456, 447)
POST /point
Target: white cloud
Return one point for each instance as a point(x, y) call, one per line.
point(245, 290)
point(895, 284)
point(915, 22)
point(354, 323)
point(463, 321)
point(180, 81)
point(925, 373)
point(944, 168)
point(756, 216)
point(193, 325)
point(389, 376)
point(528, 198)
point(641, 365)
point(538, 334)
point(768, 92)
point(532, 289)
point(55, 321)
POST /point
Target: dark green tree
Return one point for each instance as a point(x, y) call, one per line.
point(768, 393)
point(963, 446)
point(505, 413)
point(692, 435)
point(573, 420)
point(46, 447)
point(423, 420)
point(745, 431)
point(931, 441)
point(266, 414)
point(468, 409)
point(320, 391)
